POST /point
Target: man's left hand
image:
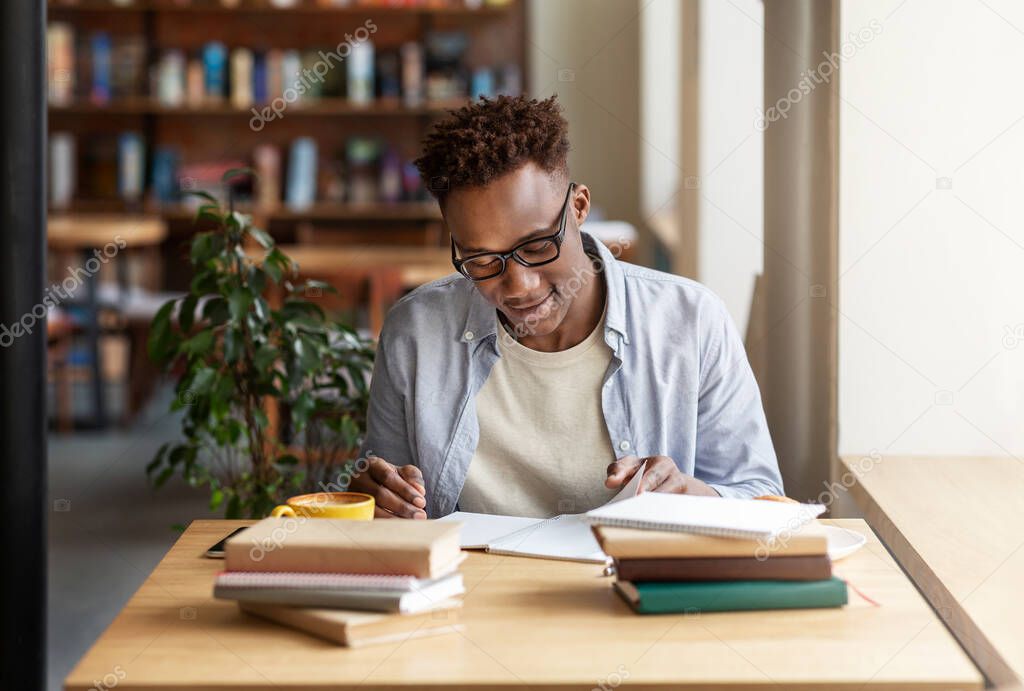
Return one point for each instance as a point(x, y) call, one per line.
point(660, 475)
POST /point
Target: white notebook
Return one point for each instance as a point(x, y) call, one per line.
point(717, 516)
point(481, 529)
point(566, 536)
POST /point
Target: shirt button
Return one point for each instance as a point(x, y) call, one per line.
point(624, 445)
point(468, 335)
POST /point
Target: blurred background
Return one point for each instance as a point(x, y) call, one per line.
point(845, 175)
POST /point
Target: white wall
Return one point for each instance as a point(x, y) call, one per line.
point(932, 272)
point(589, 54)
point(660, 87)
point(731, 211)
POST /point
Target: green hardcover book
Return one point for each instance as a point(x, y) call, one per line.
point(730, 596)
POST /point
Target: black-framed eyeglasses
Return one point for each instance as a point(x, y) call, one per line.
point(534, 252)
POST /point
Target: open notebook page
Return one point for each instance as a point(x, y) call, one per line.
point(565, 536)
point(481, 529)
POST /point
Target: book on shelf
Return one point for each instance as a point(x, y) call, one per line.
point(195, 83)
point(301, 188)
point(215, 68)
point(424, 549)
point(131, 166)
point(260, 93)
point(267, 162)
point(360, 77)
point(62, 169)
point(60, 63)
point(730, 596)
point(113, 70)
point(291, 75)
point(170, 79)
point(99, 93)
point(241, 78)
point(355, 629)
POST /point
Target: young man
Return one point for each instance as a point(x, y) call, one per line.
point(537, 379)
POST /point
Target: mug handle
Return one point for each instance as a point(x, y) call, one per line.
point(283, 510)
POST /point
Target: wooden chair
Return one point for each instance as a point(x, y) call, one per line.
point(59, 335)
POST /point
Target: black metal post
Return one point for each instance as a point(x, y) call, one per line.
point(22, 345)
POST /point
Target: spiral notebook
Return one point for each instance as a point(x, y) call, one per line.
point(348, 591)
point(716, 516)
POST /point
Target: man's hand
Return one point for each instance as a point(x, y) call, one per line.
point(397, 491)
point(660, 475)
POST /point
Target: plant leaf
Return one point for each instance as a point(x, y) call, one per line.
point(159, 345)
point(157, 459)
point(216, 311)
point(239, 303)
point(233, 173)
point(204, 195)
point(262, 237)
point(200, 344)
point(257, 280)
point(234, 508)
point(187, 312)
point(203, 283)
point(163, 477)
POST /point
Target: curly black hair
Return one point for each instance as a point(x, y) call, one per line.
point(489, 138)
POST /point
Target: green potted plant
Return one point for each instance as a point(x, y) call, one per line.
point(239, 360)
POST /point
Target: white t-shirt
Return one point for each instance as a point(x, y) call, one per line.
point(544, 447)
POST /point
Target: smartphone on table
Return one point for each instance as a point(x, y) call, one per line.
point(217, 551)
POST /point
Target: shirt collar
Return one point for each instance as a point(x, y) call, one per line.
point(480, 318)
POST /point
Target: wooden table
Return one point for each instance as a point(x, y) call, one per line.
point(73, 232)
point(417, 265)
point(530, 622)
point(957, 526)
point(383, 272)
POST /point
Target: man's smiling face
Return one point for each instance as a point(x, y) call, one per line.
point(522, 205)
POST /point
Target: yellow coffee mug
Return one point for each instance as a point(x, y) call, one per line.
point(353, 506)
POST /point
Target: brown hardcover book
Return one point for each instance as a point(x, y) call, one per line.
point(636, 543)
point(354, 629)
point(424, 549)
point(813, 568)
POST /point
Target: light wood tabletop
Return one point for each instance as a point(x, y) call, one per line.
point(530, 622)
point(417, 265)
point(955, 525)
point(87, 231)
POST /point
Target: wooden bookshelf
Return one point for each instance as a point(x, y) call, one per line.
point(398, 211)
point(323, 106)
point(218, 130)
point(251, 7)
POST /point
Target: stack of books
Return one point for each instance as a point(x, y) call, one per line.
point(352, 582)
point(677, 553)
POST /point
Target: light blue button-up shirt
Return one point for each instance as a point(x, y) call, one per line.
point(678, 384)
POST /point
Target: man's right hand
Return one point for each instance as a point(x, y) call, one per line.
point(398, 491)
